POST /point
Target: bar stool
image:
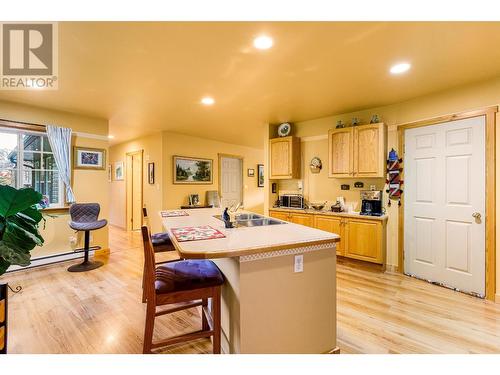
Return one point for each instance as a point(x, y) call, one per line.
point(161, 243)
point(184, 284)
point(84, 218)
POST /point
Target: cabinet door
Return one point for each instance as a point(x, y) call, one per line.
point(340, 152)
point(302, 219)
point(364, 240)
point(332, 225)
point(369, 145)
point(280, 215)
point(281, 156)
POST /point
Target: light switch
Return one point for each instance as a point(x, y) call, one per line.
point(299, 263)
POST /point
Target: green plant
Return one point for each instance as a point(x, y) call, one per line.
point(19, 219)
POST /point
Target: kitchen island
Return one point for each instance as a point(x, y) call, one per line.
point(267, 307)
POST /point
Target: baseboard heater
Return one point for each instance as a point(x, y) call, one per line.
point(56, 258)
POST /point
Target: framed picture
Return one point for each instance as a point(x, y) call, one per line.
point(89, 158)
point(109, 172)
point(260, 175)
point(151, 173)
point(189, 170)
point(119, 171)
point(194, 199)
point(251, 172)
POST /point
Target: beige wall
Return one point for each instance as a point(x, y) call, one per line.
point(320, 187)
point(177, 144)
point(152, 194)
point(160, 149)
point(89, 186)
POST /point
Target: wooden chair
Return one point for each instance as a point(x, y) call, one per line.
point(184, 284)
point(161, 243)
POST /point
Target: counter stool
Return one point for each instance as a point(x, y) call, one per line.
point(184, 284)
point(84, 218)
point(161, 243)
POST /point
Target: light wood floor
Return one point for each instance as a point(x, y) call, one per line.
point(101, 311)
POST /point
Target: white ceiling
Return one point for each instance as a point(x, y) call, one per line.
point(146, 77)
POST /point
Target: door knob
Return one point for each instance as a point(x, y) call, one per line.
point(476, 215)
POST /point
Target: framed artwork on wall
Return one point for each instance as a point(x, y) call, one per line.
point(89, 158)
point(151, 173)
point(260, 175)
point(251, 172)
point(119, 171)
point(188, 170)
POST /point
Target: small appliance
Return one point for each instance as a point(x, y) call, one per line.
point(371, 203)
point(292, 201)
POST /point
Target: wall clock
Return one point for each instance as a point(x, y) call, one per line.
point(284, 129)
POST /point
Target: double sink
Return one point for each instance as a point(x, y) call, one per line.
point(252, 220)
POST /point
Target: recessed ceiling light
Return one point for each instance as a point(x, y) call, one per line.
point(207, 100)
point(400, 68)
point(111, 136)
point(263, 42)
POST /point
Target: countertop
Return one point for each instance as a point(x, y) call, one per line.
point(243, 240)
point(330, 213)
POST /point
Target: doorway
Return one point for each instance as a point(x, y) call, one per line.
point(133, 178)
point(445, 182)
point(230, 180)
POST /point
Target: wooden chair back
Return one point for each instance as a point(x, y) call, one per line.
point(149, 264)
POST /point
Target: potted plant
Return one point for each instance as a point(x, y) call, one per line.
point(19, 219)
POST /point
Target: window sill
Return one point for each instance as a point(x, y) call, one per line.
point(55, 210)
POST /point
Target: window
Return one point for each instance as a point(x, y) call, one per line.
point(26, 160)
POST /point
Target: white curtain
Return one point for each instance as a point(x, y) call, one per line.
point(60, 142)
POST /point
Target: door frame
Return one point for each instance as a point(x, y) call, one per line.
point(490, 149)
point(129, 191)
point(219, 170)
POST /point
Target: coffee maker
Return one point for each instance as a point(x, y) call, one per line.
point(371, 202)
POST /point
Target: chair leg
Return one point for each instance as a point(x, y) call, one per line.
point(143, 282)
point(216, 319)
point(149, 327)
point(204, 321)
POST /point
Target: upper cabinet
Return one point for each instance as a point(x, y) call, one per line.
point(357, 151)
point(284, 154)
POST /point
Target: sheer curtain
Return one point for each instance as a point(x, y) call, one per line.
point(60, 142)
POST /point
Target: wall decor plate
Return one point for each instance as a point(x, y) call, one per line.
point(284, 129)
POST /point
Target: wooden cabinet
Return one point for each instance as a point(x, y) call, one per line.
point(280, 215)
point(357, 151)
point(360, 238)
point(302, 219)
point(332, 224)
point(293, 217)
point(365, 240)
point(284, 156)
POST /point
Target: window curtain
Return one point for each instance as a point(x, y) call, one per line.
point(60, 142)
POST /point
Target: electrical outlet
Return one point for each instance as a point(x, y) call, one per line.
point(299, 263)
point(73, 241)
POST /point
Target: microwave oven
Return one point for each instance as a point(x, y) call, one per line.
point(291, 201)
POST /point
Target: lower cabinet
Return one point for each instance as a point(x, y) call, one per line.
point(360, 238)
point(334, 225)
point(302, 219)
point(365, 240)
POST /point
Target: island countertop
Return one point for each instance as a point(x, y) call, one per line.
point(243, 240)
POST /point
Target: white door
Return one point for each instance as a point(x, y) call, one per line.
point(444, 194)
point(231, 181)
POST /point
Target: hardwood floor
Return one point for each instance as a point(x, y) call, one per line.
point(101, 311)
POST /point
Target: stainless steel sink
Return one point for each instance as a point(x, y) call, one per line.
point(252, 220)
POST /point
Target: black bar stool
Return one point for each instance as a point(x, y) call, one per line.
point(84, 218)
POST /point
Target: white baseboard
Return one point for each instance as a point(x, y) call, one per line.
point(37, 262)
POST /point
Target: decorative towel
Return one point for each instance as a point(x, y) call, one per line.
point(174, 213)
point(204, 232)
